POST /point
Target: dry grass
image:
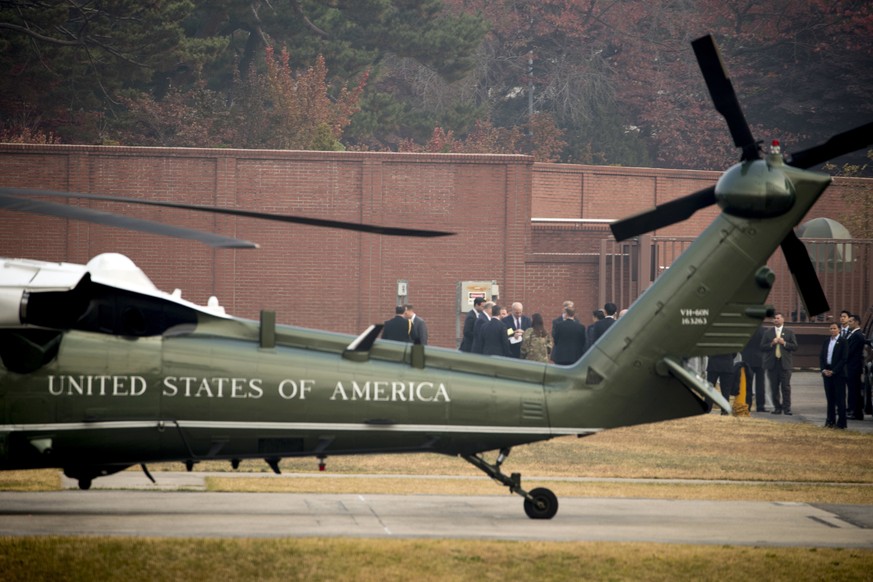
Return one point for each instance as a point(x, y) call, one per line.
point(704, 447)
point(316, 559)
point(40, 480)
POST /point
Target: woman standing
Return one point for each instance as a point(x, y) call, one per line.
point(536, 343)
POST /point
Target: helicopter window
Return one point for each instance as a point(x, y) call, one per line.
point(132, 321)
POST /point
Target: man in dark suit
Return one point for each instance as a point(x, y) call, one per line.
point(470, 324)
point(481, 321)
point(602, 325)
point(563, 315)
point(495, 336)
point(832, 363)
point(844, 323)
point(570, 339)
point(720, 368)
point(855, 341)
point(778, 344)
point(517, 321)
point(753, 357)
point(417, 326)
point(596, 316)
point(397, 328)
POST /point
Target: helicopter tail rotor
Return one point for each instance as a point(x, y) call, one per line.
point(725, 100)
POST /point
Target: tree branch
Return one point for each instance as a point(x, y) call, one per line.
point(38, 36)
point(295, 4)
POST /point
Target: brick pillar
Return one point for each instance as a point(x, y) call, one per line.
point(78, 233)
point(224, 261)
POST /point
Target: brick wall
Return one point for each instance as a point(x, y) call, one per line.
point(340, 280)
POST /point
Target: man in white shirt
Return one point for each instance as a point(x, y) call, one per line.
point(517, 321)
point(832, 362)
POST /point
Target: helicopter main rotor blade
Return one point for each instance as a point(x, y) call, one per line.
point(354, 226)
point(108, 219)
point(805, 277)
point(663, 215)
point(838, 145)
point(723, 95)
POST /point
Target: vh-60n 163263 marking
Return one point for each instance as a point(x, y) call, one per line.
point(694, 316)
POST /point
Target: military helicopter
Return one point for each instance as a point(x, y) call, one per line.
point(102, 371)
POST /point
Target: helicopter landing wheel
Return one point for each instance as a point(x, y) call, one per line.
point(542, 504)
point(84, 483)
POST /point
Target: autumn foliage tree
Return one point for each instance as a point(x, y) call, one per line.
point(617, 80)
point(279, 108)
point(859, 199)
point(300, 112)
point(541, 138)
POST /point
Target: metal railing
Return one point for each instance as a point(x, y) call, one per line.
point(628, 268)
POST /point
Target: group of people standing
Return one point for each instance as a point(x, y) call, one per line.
point(405, 326)
point(841, 361)
point(769, 354)
point(493, 331)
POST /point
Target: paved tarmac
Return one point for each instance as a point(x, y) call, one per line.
point(178, 506)
point(195, 514)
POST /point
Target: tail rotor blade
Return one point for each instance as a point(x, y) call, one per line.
point(723, 95)
point(663, 215)
point(804, 274)
point(838, 145)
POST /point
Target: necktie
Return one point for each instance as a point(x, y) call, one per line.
point(409, 330)
point(778, 347)
point(517, 323)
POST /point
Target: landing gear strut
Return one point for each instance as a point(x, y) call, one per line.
point(86, 475)
point(539, 503)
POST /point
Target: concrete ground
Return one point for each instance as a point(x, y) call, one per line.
point(808, 404)
point(491, 517)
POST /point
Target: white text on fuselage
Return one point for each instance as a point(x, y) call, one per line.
point(246, 388)
point(694, 316)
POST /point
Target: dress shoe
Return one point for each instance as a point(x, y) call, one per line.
point(777, 411)
point(829, 425)
point(787, 412)
point(857, 417)
point(761, 410)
